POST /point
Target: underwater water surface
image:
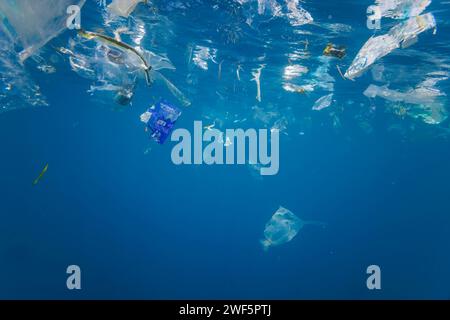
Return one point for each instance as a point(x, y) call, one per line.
point(372, 166)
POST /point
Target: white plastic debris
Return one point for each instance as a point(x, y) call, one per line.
point(283, 227)
point(201, 56)
point(116, 69)
point(423, 93)
point(323, 102)
point(375, 48)
point(34, 23)
point(145, 117)
point(433, 113)
point(123, 8)
point(270, 6)
point(321, 77)
point(401, 9)
point(411, 28)
point(293, 71)
point(257, 78)
point(17, 88)
point(296, 14)
point(291, 87)
point(378, 72)
point(420, 103)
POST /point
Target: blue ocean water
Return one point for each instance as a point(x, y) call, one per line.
point(140, 227)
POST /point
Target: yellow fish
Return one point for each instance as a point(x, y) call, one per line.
point(36, 181)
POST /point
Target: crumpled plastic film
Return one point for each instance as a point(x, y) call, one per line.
point(34, 23)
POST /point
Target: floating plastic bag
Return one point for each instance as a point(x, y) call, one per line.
point(160, 120)
point(17, 89)
point(423, 102)
point(116, 66)
point(34, 23)
point(320, 79)
point(283, 227)
point(411, 28)
point(256, 73)
point(403, 34)
point(374, 49)
point(124, 8)
point(332, 50)
point(323, 102)
point(296, 14)
point(420, 95)
point(270, 6)
point(433, 113)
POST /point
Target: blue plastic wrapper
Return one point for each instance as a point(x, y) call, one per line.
point(160, 120)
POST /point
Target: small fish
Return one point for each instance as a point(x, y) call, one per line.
point(36, 181)
point(147, 150)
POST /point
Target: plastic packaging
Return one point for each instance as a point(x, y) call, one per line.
point(296, 14)
point(160, 120)
point(283, 227)
point(123, 8)
point(403, 34)
point(34, 23)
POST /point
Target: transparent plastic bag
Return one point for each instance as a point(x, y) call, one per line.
point(402, 35)
point(283, 227)
point(34, 23)
point(124, 8)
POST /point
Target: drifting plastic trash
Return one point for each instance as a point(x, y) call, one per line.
point(403, 34)
point(296, 14)
point(407, 31)
point(201, 55)
point(323, 102)
point(270, 6)
point(373, 50)
point(34, 23)
point(112, 69)
point(117, 56)
point(283, 227)
point(124, 8)
point(257, 78)
point(433, 113)
point(425, 92)
point(41, 175)
point(290, 87)
point(293, 71)
point(17, 89)
point(401, 9)
point(320, 78)
point(420, 102)
point(419, 95)
point(160, 120)
point(332, 50)
point(290, 9)
point(115, 64)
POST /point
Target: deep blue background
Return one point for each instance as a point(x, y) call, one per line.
point(140, 227)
